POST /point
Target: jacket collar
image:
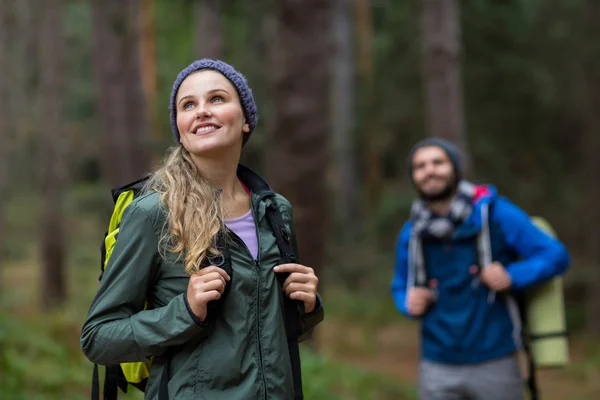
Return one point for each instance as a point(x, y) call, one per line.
point(256, 183)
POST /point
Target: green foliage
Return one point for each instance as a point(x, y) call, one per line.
point(326, 379)
point(371, 309)
point(40, 358)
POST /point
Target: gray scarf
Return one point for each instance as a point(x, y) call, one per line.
point(428, 224)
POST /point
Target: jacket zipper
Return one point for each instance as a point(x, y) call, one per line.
point(258, 327)
point(257, 267)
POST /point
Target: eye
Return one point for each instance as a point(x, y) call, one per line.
point(188, 105)
point(217, 99)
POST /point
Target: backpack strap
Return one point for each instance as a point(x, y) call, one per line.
point(95, 384)
point(514, 301)
point(222, 261)
point(420, 275)
point(136, 186)
point(113, 380)
point(484, 244)
point(291, 307)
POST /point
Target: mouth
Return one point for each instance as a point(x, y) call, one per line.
point(206, 129)
point(432, 179)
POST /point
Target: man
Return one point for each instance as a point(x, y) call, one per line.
point(470, 325)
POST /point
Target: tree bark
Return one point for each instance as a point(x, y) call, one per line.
point(590, 147)
point(52, 157)
point(209, 33)
point(122, 108)
point(299, 148)
point(369, 138)
point(147, 38)
point(6, 23)
point(344, 123)
point(441, 68)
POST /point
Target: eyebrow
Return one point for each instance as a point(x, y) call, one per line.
point(209, 92)
point(184, 97)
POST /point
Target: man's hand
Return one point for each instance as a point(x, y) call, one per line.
point(301, 284)
point(418, 299)
point(495, 277)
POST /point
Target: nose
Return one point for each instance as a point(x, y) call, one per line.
point(429, 168)
point(203, 111)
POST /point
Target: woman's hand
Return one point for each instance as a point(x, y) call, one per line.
point(301, 284)
point(205, 285)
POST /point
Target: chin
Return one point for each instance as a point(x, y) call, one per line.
point(210, 148)
point(437, 195)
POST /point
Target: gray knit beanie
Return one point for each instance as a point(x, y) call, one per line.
point(450, 149)
point(237, 79)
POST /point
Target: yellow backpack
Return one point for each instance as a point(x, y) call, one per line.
point(135, 373)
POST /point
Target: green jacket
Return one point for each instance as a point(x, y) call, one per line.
point(244, 355)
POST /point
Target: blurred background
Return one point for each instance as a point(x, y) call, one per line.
point(344, 89)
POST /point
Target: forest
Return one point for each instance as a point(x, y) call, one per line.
point(344, 89)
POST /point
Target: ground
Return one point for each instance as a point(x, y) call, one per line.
point(393, 350)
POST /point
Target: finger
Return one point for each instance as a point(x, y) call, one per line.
point(213, 276)
point(486, 274)
point(211, 269)
point(299, 278)
point(209, 296)
point(293, 268)
point(303, 296)
point(217, 285)
point(299, 287)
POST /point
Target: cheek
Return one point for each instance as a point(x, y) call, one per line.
point(447, 172)
point(233, 116)
point(183, 122)
point(418, 176)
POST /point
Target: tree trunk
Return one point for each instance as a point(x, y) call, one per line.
point(346, 181)
point(6, 22)
point(441, 68)
point(209, 33)
point(590, 147)
point(298, 156)
point(121, 105)
point(369, 137)
point(25, 74)
point(52, 157)
point(148, 65)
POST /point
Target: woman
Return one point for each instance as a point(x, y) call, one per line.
point(159, 294)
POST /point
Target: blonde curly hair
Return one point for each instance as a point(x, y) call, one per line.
point(194, 209)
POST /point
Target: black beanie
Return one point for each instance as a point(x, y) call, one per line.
point(450, 149)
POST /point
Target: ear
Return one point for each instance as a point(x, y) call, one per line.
point(246, 128)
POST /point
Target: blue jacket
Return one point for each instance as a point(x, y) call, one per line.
point(462, 327)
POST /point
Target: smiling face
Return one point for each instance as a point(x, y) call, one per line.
point(210, 118)
point(433, 173)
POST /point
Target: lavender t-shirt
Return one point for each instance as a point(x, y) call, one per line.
point(244, 227)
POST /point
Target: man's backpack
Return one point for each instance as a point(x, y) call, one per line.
point(136, 374)
point(520, 302)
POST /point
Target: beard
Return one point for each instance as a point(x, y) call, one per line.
point(446, 193)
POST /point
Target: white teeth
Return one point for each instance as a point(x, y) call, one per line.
point(205, 129)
